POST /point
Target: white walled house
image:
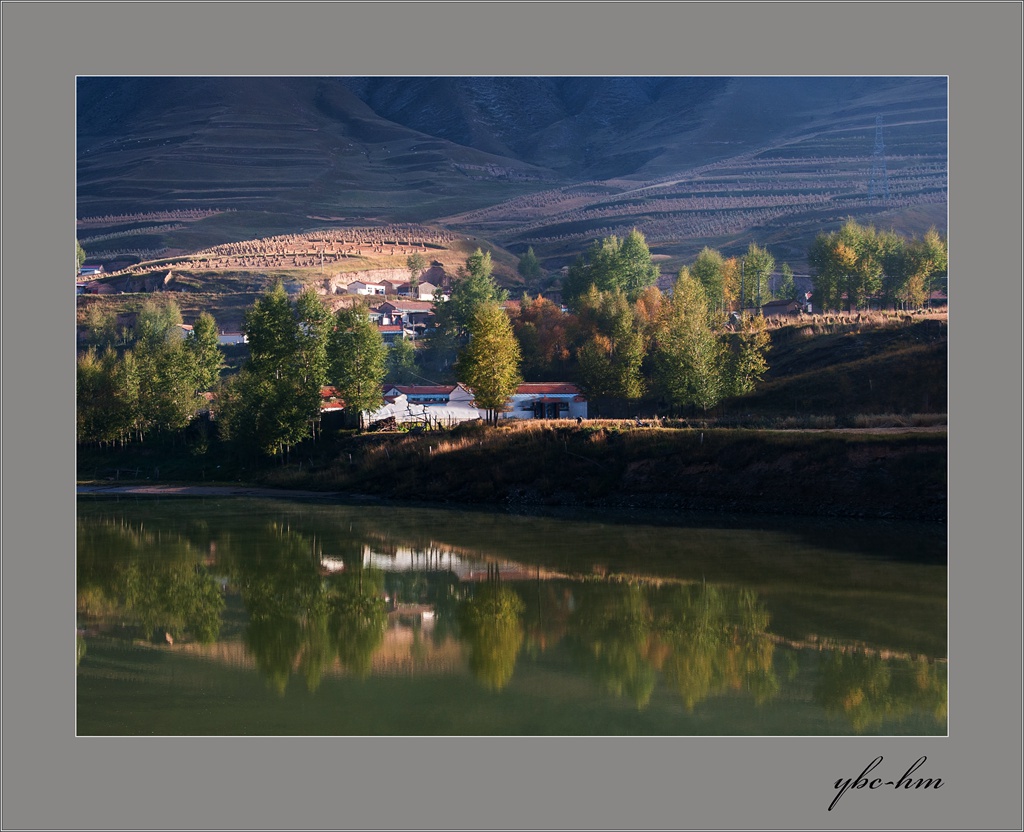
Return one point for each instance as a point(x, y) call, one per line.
point(448, 405)
point(438, 405)
point(358, 287)
point(546, 400)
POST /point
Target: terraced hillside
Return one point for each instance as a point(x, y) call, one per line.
point(547, 162)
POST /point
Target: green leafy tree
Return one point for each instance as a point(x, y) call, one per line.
point(204, 349)
point(401, 362)
point(911, 269)
point(171, 385)
point(864, 273)
point(849, 265)
point(709, 271)
point(932, 260)
point(94, 397)
point(473, 288)
point(612, 351)
point(529, 266)
point(79, 256)
point(489, 363)
point(636, 269)
point(749, 362)
point(315, 325)
point(689, 357)
point(274, 401)
point(415, 263)
point(758, 265)
point(828, 276)
point(157, 322)
point(358, 360)
point(101, 326)
point(786, 287)
point(609, 265)
point(272, 332)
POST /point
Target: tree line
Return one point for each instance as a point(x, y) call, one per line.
point(618, 336)
point(858, 264)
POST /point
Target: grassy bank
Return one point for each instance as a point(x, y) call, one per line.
point(864, 473)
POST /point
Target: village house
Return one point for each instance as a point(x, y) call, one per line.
point(358, 287)
point(451, 404)
point(228, 338)
point(96, 287)
point(429, 405)
point(414, 314)
point(394, 332)
point(422, 291)
point(546, 400)
point(775, 308)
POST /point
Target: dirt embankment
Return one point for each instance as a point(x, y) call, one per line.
point(826, 473)
point(842, 473)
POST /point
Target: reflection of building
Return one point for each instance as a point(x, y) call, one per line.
point(434, 558)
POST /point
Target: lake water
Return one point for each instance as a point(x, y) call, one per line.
point(226, 616)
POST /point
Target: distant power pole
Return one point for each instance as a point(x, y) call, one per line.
point(879, 176)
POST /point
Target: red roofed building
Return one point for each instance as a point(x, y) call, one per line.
point(330, 399)
point(391, 332)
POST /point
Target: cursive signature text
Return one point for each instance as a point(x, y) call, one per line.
point(863, 781)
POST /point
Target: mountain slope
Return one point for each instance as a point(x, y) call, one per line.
point(418, 149)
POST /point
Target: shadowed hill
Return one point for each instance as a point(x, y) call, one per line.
point(548, 162)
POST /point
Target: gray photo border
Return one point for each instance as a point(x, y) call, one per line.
point(53, 780)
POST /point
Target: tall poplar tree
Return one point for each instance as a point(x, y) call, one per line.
point(709, 270)
point(357, 358)
point(274, 401)
point(758, 265)
point(205, 351)
point(612, 351)
point(489, 363)
point(689, 357)
point(473, 288)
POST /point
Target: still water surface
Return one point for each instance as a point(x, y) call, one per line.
point(224, 616)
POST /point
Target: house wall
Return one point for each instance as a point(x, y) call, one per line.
point(523, 407)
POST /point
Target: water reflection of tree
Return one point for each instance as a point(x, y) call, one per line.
point(358, 618)
point(157, 584)
point(546, 617)
point(300, 618)
point(491, 624)
point(869, 690)
point(719, 644)
point(280, 585)
point(613, 626)
point(705, 640)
